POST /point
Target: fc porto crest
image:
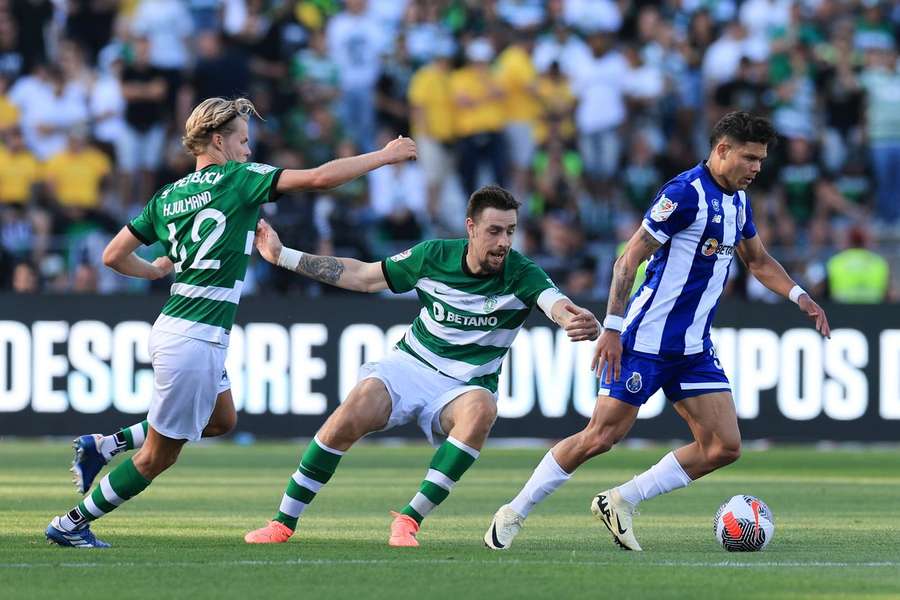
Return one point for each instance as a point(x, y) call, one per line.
point(715, 204)
point(490, 303)
point(741, 216)
point(634, 383)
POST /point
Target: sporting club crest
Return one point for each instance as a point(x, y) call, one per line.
point(663, 209)
point(403, 255)
point(490, 303)
point(634, 383)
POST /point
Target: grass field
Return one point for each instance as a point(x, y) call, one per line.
point(837, 530)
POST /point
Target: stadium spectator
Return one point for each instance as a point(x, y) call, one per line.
point(398, 200)
point(881, 81)
point(106, 104)
point(480, 116)
point(145, 89)
point(25, 279)
point(90, 24)
point(600, 88)
point(75, 176)
point(857, 275)
point(356, 43)
point(391, 107)
point(221, 70)
point(19, 171)
point(433, 116)
point(12, 62)
point(517, 77)
point(564, 256)
point(315, 74)
point(33, 19)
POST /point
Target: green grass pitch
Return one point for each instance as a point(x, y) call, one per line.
point(837, 530)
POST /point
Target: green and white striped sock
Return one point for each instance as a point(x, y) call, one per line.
point(127, 438)
point(316, 467)
point(449, 463)
point(121, 484)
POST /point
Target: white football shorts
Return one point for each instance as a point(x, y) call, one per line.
point(418, 392)
point(188, 376)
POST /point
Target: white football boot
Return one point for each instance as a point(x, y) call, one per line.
point(616, 514)
point(504, 528)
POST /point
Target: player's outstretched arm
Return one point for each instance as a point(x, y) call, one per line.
point(119, 256)
point(608, 353)
point(342, 170)
point(579, 323)
point(347, 273)
point(771, 274)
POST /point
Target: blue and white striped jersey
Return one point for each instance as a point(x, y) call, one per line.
point(699, 225)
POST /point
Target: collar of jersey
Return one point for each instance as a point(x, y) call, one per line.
point(713, 180)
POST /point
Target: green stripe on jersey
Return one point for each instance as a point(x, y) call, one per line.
point(206, 221)
point(467, 322)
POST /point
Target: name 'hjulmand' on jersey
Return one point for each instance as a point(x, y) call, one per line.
point(206, 222)
point(699, 225)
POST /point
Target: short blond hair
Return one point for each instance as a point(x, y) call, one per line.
point(214, 115)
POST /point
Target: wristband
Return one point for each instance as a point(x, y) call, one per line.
point(613, 322)
point(795, 294)
point(289, 258)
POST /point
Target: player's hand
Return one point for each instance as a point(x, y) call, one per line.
point(581, 324)
point(815, 313)
point(609, 354)
point(267, 242)
point(163, 266)
point(399, 150)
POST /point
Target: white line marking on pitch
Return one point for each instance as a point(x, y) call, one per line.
point(337, 562)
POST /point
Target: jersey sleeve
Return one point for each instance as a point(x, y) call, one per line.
point(745, 221)
point(142, 226)
point(403, 270)
point(673, 210)
point(258, 182)
point(535, 288)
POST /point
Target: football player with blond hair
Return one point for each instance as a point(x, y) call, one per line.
point(206, 221)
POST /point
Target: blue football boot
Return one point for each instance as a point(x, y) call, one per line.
point(87, 462)
point(80, 538)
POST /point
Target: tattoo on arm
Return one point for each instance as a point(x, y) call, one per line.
point(623, 275)
point(326, 269)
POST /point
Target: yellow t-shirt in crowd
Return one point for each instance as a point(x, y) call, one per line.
point(76, 177)
point(429, 90)
point(487, 113)
point(556, 97)
point(9, 114)
point(516, 74)
point(19, 171)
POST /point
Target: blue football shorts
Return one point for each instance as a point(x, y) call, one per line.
point(679, 377)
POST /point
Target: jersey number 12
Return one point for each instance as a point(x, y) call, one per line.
point(179, 251)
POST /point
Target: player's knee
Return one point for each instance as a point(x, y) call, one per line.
point(221, 426)
point(600, 440)
point(484, 415)
point(724, 454)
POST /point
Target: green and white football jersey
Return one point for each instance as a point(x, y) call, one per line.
point(206, 221)
point(467, 322)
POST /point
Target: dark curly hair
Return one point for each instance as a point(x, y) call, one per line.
point(743, 127)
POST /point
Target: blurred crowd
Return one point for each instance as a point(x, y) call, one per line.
point(583, 108)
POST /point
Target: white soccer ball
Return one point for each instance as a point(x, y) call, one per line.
point(744, 524)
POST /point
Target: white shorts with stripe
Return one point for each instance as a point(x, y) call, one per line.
point(188, 376)
point(418, 392)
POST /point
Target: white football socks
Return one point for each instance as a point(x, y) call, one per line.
point(663, 477)
point(545, 480)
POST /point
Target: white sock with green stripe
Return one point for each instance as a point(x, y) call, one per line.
point(449, 463)
point(121, 484)
point(127, 438)
point(317, 465)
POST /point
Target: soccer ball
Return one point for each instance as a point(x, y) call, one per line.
point(744, 524)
